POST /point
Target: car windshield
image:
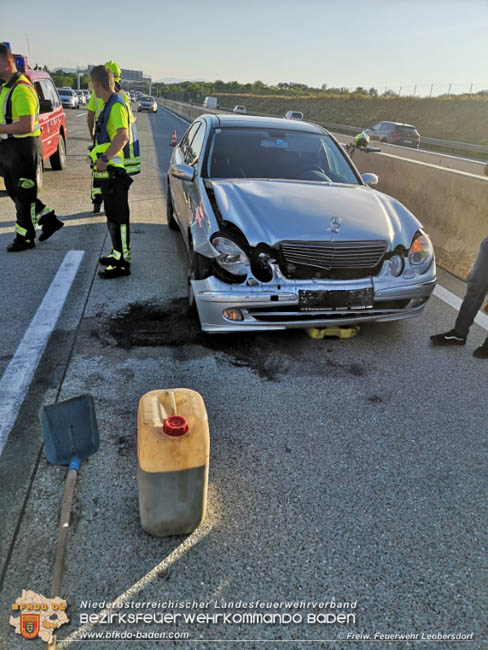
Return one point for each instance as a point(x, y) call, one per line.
point(407, 129)
point(277, 154)
point(65, 91)
point(146, 99)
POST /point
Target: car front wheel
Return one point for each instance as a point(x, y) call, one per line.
point(170, 213)
point(197, 270)
point(58, 159)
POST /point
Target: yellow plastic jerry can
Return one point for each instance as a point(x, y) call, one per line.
point(173, 447)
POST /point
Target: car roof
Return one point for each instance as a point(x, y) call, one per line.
point(35, 75)
point(398, 123)
point(226, 120)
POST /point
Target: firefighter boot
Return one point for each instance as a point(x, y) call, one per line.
point(20, 244)
point(50, 224)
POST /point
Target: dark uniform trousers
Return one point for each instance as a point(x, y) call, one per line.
point(115, 194)
point(18, 164)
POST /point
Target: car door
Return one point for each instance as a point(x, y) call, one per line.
point(374, 131)
point(51, 131)
point(178, 189)
point(190, 190)
point(43, 121)
point(193, 158)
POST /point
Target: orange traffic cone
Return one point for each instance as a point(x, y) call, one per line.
point(173, 139)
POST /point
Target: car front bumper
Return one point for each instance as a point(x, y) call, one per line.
point(275, 305)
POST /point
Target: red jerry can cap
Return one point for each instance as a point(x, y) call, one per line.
point(175, 425)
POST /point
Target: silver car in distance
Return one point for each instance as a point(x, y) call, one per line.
point(282, 231)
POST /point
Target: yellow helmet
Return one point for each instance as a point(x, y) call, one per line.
point(111, 65)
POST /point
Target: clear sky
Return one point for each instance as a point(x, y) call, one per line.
point(337, 42)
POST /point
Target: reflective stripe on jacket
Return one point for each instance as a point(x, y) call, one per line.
point(115, 161)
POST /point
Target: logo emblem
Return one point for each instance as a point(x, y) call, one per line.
point(335, 224)
point(39, 616)
point(30, 625)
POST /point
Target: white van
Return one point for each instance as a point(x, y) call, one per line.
point(210, 102)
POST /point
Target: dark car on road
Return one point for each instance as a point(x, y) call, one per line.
point(395, 133)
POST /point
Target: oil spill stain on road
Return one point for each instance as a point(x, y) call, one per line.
point(271, 355)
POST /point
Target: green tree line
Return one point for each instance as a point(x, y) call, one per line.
point(195, 90)
point(67, 79)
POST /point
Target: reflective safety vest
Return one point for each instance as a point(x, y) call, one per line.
point(6, 104)
point(361, 140)
point(102, 139)
point(132, 152)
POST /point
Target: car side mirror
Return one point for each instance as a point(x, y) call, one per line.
point(183, 172)
point(45, 106)
point(370, 179)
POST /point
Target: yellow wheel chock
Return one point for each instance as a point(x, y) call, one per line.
point(340, 332)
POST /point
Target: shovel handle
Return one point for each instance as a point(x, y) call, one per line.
point(58, 569)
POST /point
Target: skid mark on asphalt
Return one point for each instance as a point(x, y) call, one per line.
point(270, 355)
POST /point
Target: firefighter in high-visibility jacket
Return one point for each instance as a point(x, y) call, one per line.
point(132, 155)
point(132, 159)
point(111, 136)
point(20, 151)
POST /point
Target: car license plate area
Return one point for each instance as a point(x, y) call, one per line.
point(335, 300)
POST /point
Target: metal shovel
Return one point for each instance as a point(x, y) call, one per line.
point(70, 435)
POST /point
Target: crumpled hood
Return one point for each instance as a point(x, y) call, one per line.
point(271, 211)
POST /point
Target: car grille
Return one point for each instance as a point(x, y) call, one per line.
point(332, 259)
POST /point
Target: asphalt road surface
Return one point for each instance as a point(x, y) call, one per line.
point(342, 471)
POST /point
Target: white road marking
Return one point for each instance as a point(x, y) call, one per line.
point(455, 302)
point(81, 115)
point(132, 592)
point(16, 379)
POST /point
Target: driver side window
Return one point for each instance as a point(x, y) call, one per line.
point(187, 138)
point(194, 150)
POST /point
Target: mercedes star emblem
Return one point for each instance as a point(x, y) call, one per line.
point(336, 223)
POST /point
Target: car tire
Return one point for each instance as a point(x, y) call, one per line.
point(196, 271)
point(58, 159)
point(39, 173)
point(170, 213)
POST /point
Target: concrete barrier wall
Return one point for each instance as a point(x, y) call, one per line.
point(451, 204)
point(185, 110)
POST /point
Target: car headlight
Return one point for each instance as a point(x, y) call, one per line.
point(395, 265)
point(231, 258)
point(421, 253)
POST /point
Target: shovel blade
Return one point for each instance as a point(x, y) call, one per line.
point(70, 430)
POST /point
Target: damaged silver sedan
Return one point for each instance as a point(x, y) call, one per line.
point(282, 231)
